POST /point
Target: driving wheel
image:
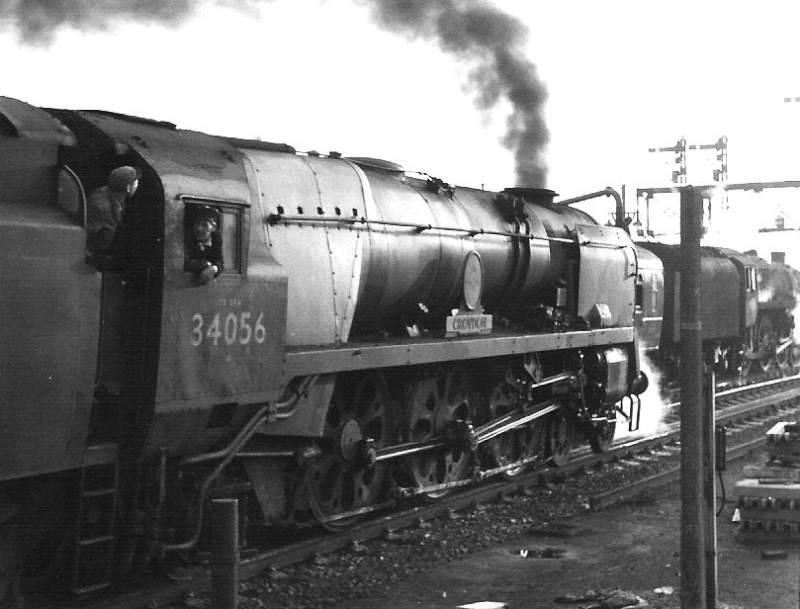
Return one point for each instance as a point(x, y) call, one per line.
point(765, 343)
point(518, 444)
point(438, 405)
point(341, 479)
point(785, 357)
point(560, 434)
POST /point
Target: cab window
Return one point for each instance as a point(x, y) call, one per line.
point(231, 229)
point(219, 226)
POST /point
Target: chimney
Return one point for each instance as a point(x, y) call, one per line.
point(540, 196)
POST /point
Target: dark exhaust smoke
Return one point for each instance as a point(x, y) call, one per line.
point(37, 21)
point(490, 42)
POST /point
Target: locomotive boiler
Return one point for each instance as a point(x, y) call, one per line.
point(374, 334)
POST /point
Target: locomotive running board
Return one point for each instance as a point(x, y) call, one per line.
point(302, 361)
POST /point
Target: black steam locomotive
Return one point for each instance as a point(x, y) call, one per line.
point(747, 310)
point(372, 334)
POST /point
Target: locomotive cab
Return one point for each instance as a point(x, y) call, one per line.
point(181, 353)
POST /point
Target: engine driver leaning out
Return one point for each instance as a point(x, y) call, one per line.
point(104, 213)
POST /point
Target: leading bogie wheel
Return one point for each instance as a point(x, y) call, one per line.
point(602, 436)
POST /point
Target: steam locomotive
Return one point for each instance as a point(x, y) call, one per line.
point(374, 334)
point(747, 310)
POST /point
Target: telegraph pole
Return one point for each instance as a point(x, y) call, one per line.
point(693, 531)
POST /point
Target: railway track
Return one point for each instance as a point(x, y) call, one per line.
point(746, 412)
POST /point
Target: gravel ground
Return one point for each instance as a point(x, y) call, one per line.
point(370, 569)
point(363, 569)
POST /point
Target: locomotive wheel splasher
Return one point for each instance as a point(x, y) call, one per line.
point(439, 405)
point(341, 479)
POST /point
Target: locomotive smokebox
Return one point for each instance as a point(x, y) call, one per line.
point(540, 196)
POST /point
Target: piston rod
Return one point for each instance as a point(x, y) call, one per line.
point(484, 433)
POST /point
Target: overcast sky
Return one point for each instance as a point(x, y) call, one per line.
point(620, 77)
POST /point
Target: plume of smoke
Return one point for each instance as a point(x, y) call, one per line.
point(489, 41)
point(492, 43)
point(37, 21)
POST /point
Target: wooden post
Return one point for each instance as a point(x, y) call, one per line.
point(693, 572)
point(224, 553)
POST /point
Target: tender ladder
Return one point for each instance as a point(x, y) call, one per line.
point(92, 564)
